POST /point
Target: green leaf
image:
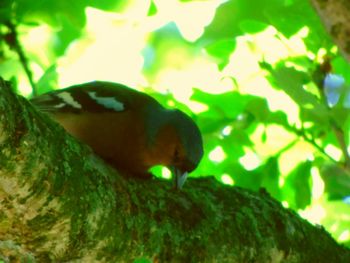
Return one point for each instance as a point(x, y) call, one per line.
point(152, 9)
point(297, 186)
point(291, 81)
point(48, 80)
point(5, 10)
point(242, 177)
point(161, 46)
point(341, 67)
point(226, 23)
point(168, 98)
point(337, 220)
point(340, 116)
point(270, 177)
point(289, 18)
point(108, 5)
point(66, 35)
point(337, 181)
point(233, 143)
point(211, 124)
point(221, 50)
point(252, 26)
point(51, 12)
point(224, 105)
point(278, 117)
point(259, 108)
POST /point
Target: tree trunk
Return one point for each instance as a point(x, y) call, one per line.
point(335, 15)
point(61, 203)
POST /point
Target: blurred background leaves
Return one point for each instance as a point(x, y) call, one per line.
point(250, 73)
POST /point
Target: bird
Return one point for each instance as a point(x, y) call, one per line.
point(127, 128)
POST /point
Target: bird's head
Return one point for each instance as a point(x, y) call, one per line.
point(177, 142)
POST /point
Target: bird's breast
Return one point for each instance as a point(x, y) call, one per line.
point(118, 138)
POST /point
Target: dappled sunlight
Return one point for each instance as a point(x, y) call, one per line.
point(271, 46)
point(295, 45)
point(99, 56)
point(166, 173)
point(119, 58)
point(198, 73)
point(26, 88)
point(183, 13)
point(217, 155)
point(285, 204)
point(135, 11)
point(333, 215)
point(317, 189)
point(344, 236)
point(314, 213)
point(40, 38)
point(227, 179)
point(250, 161)
point(266, 46)
point(333, 151)
point(299, 152)
point(276, 139)
point(251, 79)
point(202, 11)
point(227, 131)
point(243, 63)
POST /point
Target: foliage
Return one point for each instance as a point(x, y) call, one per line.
point(262, 108)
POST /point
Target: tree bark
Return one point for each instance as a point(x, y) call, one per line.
point(335, 15)
point(61, 203)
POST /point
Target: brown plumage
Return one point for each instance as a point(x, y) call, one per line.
point(127, 128)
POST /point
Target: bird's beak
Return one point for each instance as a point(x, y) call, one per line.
point(179, 177)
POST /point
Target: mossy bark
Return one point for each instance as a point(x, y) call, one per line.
point(61, 203)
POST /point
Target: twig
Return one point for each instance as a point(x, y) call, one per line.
point(319, 75)
point(339, 134)
point(12, 40)
point(313, 143)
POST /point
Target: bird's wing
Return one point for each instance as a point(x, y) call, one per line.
point(94, 96)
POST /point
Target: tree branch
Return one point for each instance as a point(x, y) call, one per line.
point(59, 203)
